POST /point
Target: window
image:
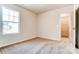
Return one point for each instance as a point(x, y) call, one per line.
point(10, 21)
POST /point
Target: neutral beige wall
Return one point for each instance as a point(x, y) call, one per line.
point(49, 22)
point(28, 27)
point(45, 25)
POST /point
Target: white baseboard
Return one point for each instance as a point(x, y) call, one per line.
point(24, 39)
point(29, 38)
point(50, 38)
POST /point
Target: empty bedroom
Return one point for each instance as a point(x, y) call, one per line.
point(37, 29)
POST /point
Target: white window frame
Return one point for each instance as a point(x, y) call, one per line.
point(18, 23)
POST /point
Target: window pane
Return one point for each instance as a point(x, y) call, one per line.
point(9, 27)
point(5, 17)
point(16, 14)
point(5, 25)
point(11, 18)
point(10, 21)
point(11, 12)
point(5, 10)
point(16, 19)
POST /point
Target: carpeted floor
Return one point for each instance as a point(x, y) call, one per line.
point(40, 46)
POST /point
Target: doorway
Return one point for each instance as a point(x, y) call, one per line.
point(65, 27)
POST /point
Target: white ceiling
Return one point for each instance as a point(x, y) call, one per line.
point(39, 8)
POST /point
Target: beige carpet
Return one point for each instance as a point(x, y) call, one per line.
point(40, 46)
